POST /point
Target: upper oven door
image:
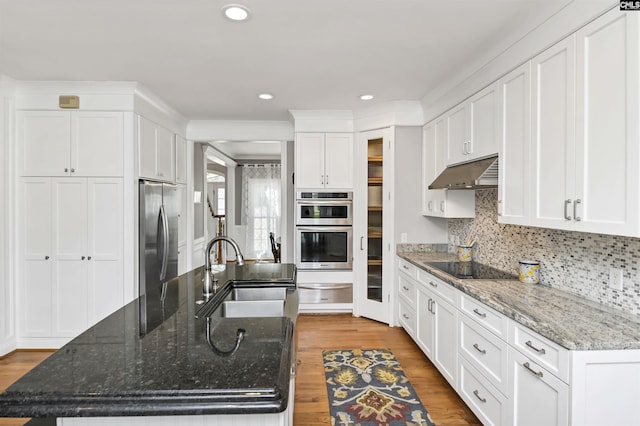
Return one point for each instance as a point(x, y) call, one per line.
point(316, 212)
point(324, 247)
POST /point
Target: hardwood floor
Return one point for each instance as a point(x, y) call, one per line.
point(316, 333)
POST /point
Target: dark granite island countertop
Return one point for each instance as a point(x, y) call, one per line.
point(167, 367)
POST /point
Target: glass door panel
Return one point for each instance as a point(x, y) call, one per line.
point(374, 219)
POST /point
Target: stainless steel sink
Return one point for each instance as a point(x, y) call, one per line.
point(258, 293)
point(252, 308)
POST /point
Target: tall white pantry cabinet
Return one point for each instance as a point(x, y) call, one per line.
point(71, 214)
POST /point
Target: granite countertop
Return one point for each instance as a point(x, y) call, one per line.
point(167, 367)
point(568, 320)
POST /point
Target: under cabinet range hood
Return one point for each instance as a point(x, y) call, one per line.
point(478, 174)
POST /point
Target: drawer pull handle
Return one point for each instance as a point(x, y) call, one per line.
point(480, 314)
point(537, 373)
point(540, 351)
point(482, 351)
point(475, 392)
point(433, 284)
point(405, 316)
point(405, 267)
point(405, 288)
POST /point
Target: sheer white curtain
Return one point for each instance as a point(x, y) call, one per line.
point(260, 207)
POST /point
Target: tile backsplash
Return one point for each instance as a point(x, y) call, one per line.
point(575, 262)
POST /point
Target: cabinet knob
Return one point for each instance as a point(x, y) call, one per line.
point(66, 170)
point(89, 258)
point(73, 170)
point(46, 258)
point(82, 258)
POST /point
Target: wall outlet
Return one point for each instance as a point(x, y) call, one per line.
point(403, 237)
point(615, 278)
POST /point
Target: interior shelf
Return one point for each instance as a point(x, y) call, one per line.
point(374, 262)
point(375, 180)
point(375, 159)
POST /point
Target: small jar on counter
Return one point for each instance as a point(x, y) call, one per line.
point(530, 271)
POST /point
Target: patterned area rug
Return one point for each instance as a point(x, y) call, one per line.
point(368, 387)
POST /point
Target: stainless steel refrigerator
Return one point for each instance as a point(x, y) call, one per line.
point(158, 245)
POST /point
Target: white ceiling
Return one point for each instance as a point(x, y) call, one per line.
point(311, 54)
point(254, 150)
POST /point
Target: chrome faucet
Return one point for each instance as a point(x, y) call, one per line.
point(208, 283)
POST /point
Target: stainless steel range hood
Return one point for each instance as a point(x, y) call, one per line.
point(479, 174)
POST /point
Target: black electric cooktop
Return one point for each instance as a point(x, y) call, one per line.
point(472, 270)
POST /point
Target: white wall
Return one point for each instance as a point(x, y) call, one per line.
point(502, 59)
point(408, 191)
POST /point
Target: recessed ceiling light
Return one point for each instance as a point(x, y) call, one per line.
point(366, 97)
point(236, 12)
point(265, 96)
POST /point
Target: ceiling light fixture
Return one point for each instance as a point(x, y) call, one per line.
point(366, 97)
point(265, 96)
point(236, 12)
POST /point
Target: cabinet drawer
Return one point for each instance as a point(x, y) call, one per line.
point(493, 321)
point(446, 291)
point(484, 351)
point(408, 268)
point(407, 318)
point(485, 401)
point(407, 288)
point(542, 351)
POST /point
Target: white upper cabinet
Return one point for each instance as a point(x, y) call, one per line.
point(458, 134)
point(181, 159)
point(338, 160)
point(473, 127)
point(156, 151)
point(441, 202)
point(607, 115)
point(585, 138)
point(71, 143)
point(97, 143)
point(324, 160)
point(514, 189)
point(484, 112)
point(553, 135)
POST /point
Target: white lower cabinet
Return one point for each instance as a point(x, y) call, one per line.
point(436, 330)
point(537, 396)
point(407, 289)
point(489, 404)
point(71, 273)
point(485, 351)
point(508, 374)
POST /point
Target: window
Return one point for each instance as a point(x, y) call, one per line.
point(220, 201)
point(261, 208)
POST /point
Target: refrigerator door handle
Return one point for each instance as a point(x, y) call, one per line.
point(163, 230)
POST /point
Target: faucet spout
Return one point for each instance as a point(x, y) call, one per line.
point(208, 284)
point(236, 248)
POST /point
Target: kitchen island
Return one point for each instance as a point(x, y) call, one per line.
point(155, 359)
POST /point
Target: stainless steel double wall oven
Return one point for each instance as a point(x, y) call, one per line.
point(324, 235)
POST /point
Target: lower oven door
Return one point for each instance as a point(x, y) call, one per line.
point(324, 247)
point(325, 293)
